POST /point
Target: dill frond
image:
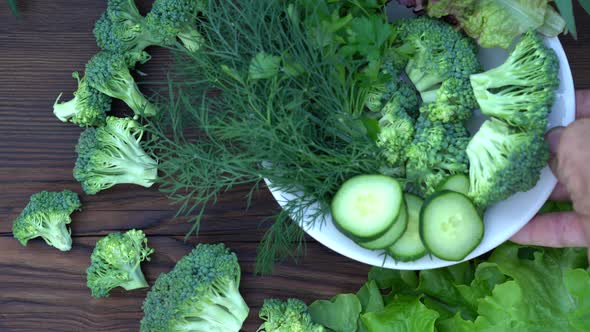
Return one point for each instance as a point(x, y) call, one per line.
point(296, 123)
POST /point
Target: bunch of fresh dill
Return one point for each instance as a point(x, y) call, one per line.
point(262, 99)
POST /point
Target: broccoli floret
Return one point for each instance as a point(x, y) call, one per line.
point(439, 52)
point(395, 135)
point(521, 90)
point(176, 19)
point(111, 155)
point(116, 262)
point(454, 100)
point(437, 151)
point(123, 35)
point(46, 216)
point(504, 161)
point(287, 316)
point(88, 108)
point(396, 94)
point(108, 72)
point(200, 294)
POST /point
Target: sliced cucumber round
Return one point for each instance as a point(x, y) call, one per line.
point(409, 247)
point(450, 225)
point(458, 183)
point(366, 206)
point(392, 235)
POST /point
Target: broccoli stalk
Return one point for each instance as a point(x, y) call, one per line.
point(46, 216)
point(116, 262)
point(176, 19)
point(201, 293)
point(111, 155)
point(108, 73)
point(287, 316)
point(521, 90)
point(88, 107)
point(504, 161)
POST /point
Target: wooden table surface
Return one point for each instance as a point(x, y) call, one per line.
point(42, 289)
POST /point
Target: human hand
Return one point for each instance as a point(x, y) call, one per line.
point(570, 149)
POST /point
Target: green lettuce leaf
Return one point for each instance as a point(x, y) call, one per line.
point(494, 23)
point(404, 314)
point(339, 314)
point(547, 291)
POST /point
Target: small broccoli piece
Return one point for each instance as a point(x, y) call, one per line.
point(504, 161)
point(46, 216)
point(88, 108)
point(108, 73)
point(521, 90)
point(201, 293)
point(116, 262)
point(396, 94)
point(439, 52)
point(122, 36)
point(437, 151)
point(111, 155)
point(396, 134)
point(176, 19)
point(455, 101)
point(287, 316)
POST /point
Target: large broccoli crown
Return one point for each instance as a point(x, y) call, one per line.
point(437, 151)
point(521, 90)
point(112, 154)
point(287, 316)
point(108, 72)
point(88, 108)
point(454, 100)
point(439, 52)
point(46, 216)
point(504, 161)
point(200, 294)
point(116, 262)
point(176, 18)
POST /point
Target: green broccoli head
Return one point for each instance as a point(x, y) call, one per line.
point(116, 262)
point(287, 316)
point(176, 19)
point(122, 36)
point(395, 94)
point(437, 151)
point(108, 72)
point(439, 52)
point(504, 161)
point(395, 135)
point(455, 101)
point(521, 90)
point(111, 155)
point(88, 108)
point(46, 216)
point(200, 294)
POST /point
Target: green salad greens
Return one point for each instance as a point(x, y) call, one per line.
point(515, 289)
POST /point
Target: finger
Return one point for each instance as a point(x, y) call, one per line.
point(582, 104)
point(564, 229)
point(560, 193)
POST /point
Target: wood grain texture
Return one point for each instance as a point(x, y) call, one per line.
point(44, 289)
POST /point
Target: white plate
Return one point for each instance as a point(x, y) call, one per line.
point(501, 220)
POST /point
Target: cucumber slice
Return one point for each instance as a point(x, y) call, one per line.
point(366, 206)
point(450, 225)
point(409, 247)
point(458, 183)
point(393, 234)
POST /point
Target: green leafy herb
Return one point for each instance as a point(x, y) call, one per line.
point(405, 314)
point(285, 109)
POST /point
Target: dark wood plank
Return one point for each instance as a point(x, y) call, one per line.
point(43, 289)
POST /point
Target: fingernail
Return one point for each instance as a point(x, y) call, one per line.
point(553, 136)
